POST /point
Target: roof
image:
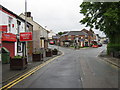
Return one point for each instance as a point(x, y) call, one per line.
point(75, 33)
point(55, 37)
point(8, 11)
point(34, 22)
point(90, 32)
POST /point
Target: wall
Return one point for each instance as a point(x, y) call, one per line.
point(12, 26)
point(5, 22)
point(38, 31)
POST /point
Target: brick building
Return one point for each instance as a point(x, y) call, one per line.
point(73, 37)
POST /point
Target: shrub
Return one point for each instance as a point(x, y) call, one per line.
point(113, 48)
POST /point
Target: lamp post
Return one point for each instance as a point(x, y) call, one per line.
point(26, 26)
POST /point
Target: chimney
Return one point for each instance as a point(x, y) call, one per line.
point(28, 14)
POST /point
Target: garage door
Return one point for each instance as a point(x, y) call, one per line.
point(10, 46)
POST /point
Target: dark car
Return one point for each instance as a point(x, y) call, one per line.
point(99, 44)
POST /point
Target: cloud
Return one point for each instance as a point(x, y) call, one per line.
point(57, 15)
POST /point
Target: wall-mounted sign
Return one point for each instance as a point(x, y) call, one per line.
point(26, 36)
point(3, 27)
point(9, 37)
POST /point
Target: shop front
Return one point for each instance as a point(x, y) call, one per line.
point(8, 41)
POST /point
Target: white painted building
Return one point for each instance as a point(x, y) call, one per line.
point(11, 26)
point(40, 34)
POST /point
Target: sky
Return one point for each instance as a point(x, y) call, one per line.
point(55, 15)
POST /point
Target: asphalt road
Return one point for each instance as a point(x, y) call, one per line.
point(75, 69)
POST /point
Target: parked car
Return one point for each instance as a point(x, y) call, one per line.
point(51, 42)
point(99, 44)
point(95, 46)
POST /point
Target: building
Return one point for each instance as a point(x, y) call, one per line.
point(40, 34)
point(91, 36)
point(98, 38)
point(73, 37)
point(51, 34)
point(56, 40)
point(11, 26)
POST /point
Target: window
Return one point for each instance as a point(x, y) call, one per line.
point(18, 26)
point(69, 37)
point(19, 47)
point(9, 23)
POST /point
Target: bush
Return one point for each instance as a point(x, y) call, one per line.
point(111, 48)
point(18, 56)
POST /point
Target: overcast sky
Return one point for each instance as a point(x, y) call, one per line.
point(57, 15)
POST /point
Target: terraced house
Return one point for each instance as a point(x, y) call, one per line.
point(40, 34)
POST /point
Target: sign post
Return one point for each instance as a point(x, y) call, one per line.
point(26, 36)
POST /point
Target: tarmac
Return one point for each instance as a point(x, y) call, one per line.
point(9, 75)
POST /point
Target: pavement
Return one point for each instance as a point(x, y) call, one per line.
point(114, 61)
point(9, 75)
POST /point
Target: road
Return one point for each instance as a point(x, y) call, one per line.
point(75, 69)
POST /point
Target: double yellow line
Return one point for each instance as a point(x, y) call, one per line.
point(11, 84)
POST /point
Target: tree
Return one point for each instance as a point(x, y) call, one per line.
point(60, 33)
point(104, 16)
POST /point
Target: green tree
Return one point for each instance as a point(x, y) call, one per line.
point(60, 33)
point(104, 16)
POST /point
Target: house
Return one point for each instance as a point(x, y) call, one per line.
point(72, 37)
point(91, 36)
point(55, 38)
point(11, 27)
point(40, 34)
point(98, 38)
point(51, 34)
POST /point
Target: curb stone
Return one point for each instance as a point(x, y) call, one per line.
point(105, 58)
point(111, 62)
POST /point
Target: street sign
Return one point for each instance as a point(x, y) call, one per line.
point(26, 36)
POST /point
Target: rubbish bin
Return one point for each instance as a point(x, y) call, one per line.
point(5, 56)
